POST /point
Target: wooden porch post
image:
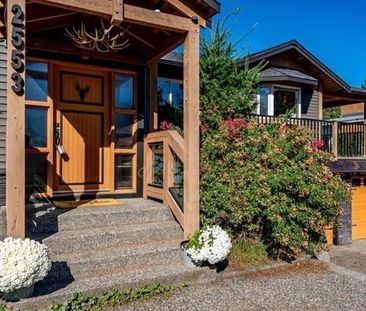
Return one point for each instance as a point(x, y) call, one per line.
point(15, 131)
point(320, 102)
point(153, 97)
point(191, 133)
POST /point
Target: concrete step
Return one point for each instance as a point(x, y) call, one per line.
point(174, 274)
point(66, 242)
point(48, 219)
point(101, 262)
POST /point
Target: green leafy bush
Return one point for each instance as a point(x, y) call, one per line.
point(269, 181)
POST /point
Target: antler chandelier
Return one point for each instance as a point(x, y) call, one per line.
point(111, 39)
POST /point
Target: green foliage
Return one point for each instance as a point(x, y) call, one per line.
point(269, 181)
point(3, 308)
point(81, 302)
point(248, 252)
point(228, 89)
point(364, 85)
point(331, 113)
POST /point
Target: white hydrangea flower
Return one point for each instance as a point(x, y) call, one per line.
point(22, 263)
point(216, 246)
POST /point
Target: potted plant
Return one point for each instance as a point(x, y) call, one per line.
point(210, 245)
point(22, 264)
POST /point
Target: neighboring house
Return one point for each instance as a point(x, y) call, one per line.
point(354, 113)
point(89, 106)
point(294, 79)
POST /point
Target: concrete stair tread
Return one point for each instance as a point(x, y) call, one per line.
point(117, 252)
point(48, 219)
point(91, 232)
point(117, 209)
point(175, 273)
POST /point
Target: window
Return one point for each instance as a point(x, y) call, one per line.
point(123, 166)
point(36, 86)
point(124, 135)
point(35, 127)
point(124, 97)
point(285, 100)
point(125, 131)
point(37, 117)
point(276, 100)
point(263, 100)
point(170, 92)
point(170, 99)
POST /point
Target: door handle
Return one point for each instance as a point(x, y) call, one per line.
point(59, 148)
point(112, 130)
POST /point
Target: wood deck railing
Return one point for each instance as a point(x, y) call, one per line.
point(344, 140)
point(163, 170)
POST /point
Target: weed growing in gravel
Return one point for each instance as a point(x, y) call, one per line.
point(248, 252)
point(82, 302)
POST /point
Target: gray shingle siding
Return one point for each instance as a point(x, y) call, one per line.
point(309, 103)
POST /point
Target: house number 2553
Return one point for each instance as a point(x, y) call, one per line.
point(17, 53)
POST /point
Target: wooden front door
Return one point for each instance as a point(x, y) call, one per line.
point(82, 127)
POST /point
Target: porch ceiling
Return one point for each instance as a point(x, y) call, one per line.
point(46, 24)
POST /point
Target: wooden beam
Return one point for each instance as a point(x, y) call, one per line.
point(183, 8)
point(53, 22)
point(37, 44)
point(94, 7)
point(191, 133)
point(117, 15)
point(149, 18)
point(132, 14)
point(15, 138)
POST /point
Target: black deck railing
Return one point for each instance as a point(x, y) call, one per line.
point(345, 140)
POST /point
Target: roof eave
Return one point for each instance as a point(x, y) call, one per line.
point(293, 44)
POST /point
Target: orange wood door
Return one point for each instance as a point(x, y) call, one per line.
point(82, 139)
point(83, 120)
point(359, 212)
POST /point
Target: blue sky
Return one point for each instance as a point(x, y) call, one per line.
point(333, 30)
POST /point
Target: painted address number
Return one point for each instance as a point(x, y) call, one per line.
point(17, 54)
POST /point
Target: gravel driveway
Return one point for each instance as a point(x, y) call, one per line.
point(305, 286)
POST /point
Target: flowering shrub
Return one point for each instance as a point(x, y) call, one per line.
point(212, 244)
point(269, 181)
point(22, 264)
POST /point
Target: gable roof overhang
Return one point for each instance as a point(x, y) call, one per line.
point(336, 91)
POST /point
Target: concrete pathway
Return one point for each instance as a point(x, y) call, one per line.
point(351, 257)
point(306, 286)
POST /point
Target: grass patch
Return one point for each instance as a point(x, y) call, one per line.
point(82, 302)
point(247, 252)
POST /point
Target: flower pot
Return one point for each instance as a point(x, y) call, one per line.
point(18, 294)
point(187, 260)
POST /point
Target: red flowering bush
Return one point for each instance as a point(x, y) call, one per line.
point(269, 181)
